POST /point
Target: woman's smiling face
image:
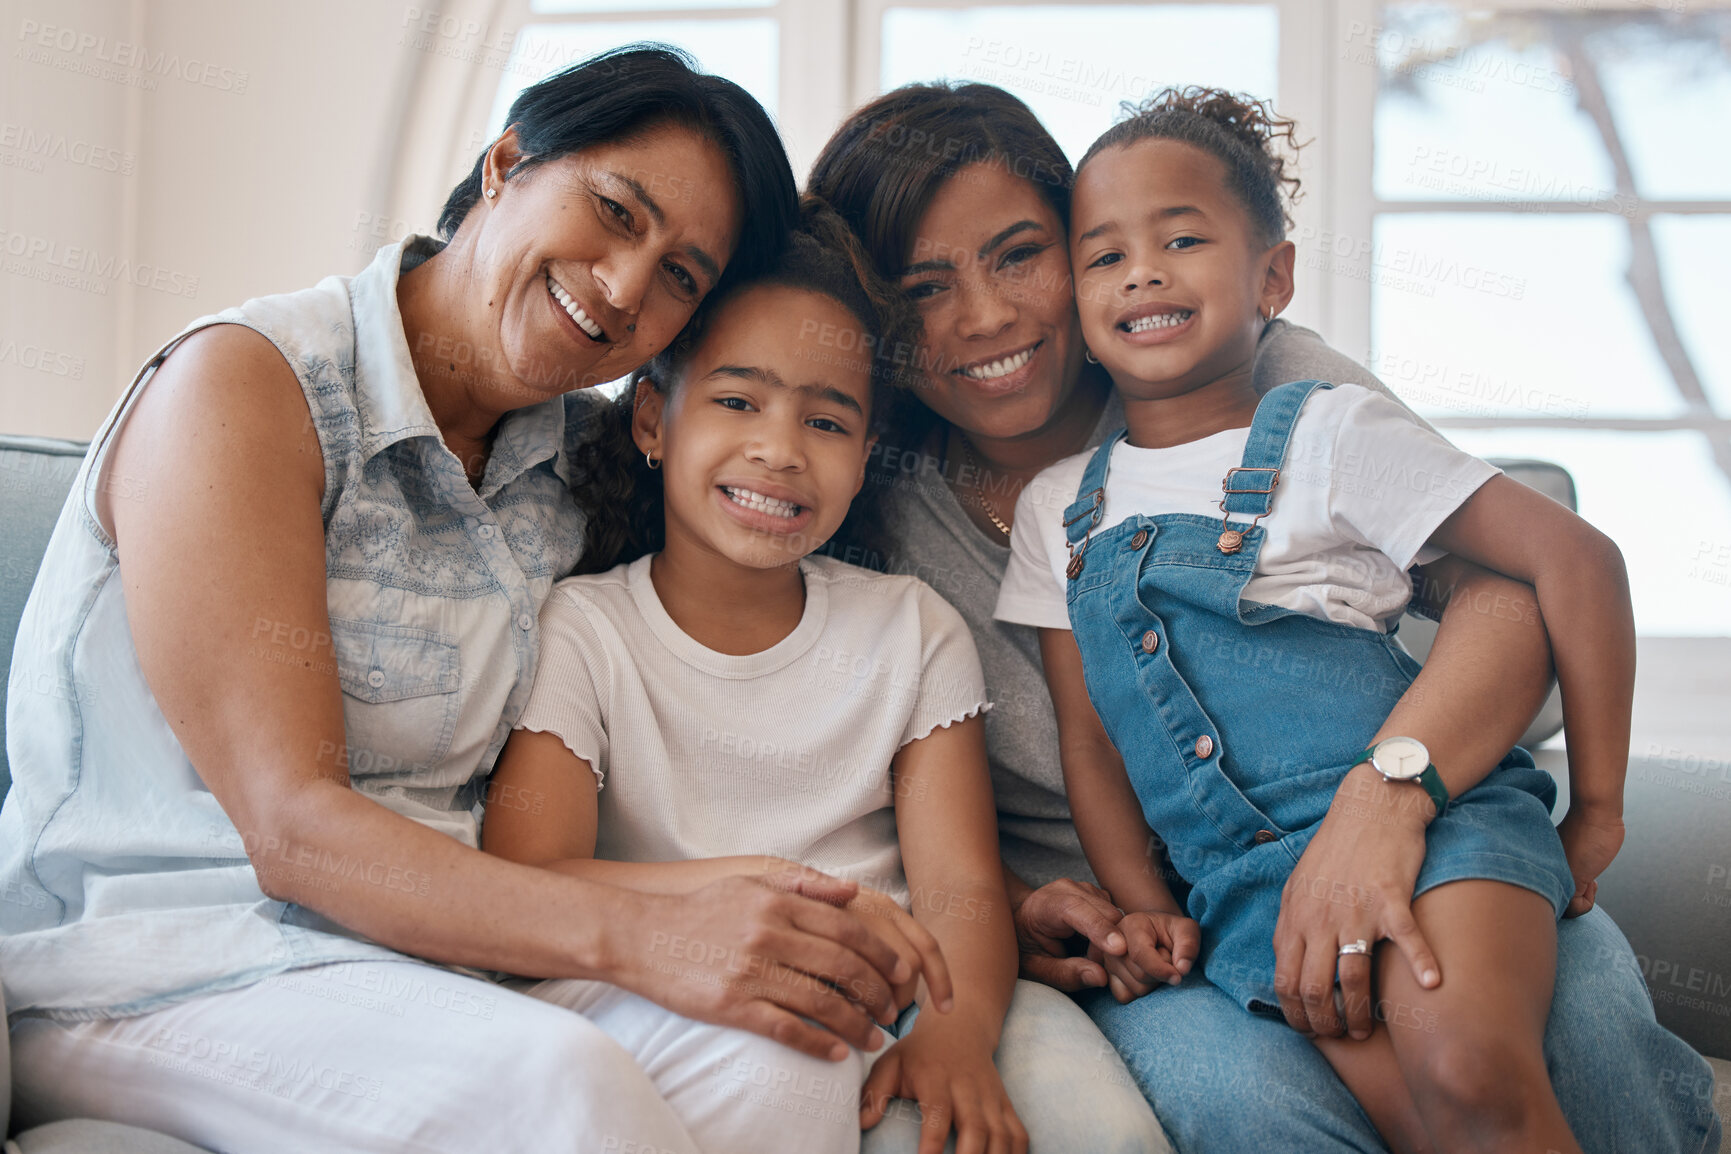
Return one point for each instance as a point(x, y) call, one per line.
point(590, 264)
point(990, 273)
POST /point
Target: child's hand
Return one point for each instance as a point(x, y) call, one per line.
point(947, 1068)
point(1591, 842)
point(1162, 948)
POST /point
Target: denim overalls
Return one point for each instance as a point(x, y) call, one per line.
point(1237, 721)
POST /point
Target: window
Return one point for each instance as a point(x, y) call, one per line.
point(1515, 215)
point(1075, 64)
point(1544, 225)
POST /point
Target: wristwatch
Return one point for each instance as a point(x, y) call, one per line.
point(1406, 759)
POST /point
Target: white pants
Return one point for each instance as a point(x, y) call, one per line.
point(398, 1056)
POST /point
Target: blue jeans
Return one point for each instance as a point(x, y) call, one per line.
point(1222, 1079)
point(1070, 1088)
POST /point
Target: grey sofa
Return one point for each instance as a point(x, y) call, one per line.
point(1662, 890)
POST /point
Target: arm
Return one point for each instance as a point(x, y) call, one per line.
point(946, 822)
point(223, 440)
point(1582, 587)
point(1161, 942)
point(541, 811)
point(1485, 679)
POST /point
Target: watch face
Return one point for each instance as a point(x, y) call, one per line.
point(1402, 758)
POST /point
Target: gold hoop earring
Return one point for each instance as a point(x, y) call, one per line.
point(653, 460)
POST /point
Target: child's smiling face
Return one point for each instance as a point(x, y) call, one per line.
point(1172, 281)
point(764, 437)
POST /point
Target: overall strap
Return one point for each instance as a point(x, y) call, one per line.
point(1084, 513)
point(1083, 516)
point(1249, 486)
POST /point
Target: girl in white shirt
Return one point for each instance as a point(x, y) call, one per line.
point(756, 711)
point(1225, 675)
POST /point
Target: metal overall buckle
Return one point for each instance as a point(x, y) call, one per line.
point(1232, 540)
point(1077, 548)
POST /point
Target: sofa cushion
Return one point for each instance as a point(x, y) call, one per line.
point(88, 1136)
point(35, 475)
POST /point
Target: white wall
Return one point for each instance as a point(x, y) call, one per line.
point(211, 150)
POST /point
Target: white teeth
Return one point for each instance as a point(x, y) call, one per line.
point(774, 506)
point(1158, 321)
point(1001, 368)
point(575, 310)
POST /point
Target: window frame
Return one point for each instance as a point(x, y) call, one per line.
point(1356, 207)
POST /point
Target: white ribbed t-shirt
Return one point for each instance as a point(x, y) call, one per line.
point(784, 752)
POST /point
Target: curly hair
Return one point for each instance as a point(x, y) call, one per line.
point(1258, 147)
point(622, 498)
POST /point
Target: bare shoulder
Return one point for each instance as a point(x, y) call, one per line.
point(224, 409)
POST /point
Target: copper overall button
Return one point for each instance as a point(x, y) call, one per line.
point(1150, 641)
point(1139, 540)
point(1204, 745)
point(1264, 836)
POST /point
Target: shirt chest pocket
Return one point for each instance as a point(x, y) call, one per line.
point(401, 698)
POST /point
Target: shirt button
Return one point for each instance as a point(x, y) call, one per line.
point(1150, 641)
point(376, 678)
point(1204, 745)
point(1264, 836)
point(487, 532)
point(525, 621)
point(1139, 540)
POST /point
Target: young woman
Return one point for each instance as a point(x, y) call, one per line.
point(962, 194)
point(246, 834)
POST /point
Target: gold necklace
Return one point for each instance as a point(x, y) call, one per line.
point(979, 493)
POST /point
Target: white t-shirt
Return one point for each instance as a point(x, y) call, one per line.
point(782, 752)
point(1362, 489)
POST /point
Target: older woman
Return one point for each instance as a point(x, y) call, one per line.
point(293, 598)
point(960, 193)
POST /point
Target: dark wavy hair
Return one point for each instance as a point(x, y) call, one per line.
point(622, 498)
point(1256, 146)
point(633, 90)
point(884, 165)
point(883, 168)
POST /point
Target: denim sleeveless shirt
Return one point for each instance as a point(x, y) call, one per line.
point(123, 884)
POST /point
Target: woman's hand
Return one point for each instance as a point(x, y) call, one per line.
point(1590, 841)
point(911, 941)
point(1049, 918)
point(1162, 946)
point(1354, 881)
point(947, 1068)
point(743, 952)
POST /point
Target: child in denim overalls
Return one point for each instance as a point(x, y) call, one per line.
point(1244, 669)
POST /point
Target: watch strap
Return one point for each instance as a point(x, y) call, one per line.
point(1430, 779)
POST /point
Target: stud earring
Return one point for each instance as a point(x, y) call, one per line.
point(490, 193)
point(654, 461)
